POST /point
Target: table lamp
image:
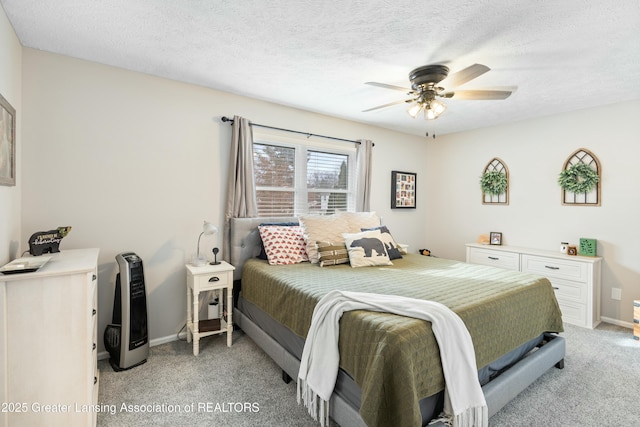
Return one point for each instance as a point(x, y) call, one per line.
point(208, 229)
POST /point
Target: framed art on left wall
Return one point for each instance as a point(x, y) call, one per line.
point(7, 143)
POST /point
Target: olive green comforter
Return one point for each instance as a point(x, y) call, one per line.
point(395, 359)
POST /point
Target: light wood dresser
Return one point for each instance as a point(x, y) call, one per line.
point(575, 279)
point(48, 343)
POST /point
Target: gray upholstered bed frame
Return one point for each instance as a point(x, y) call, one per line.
point(245, 244)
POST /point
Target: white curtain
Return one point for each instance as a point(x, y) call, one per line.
point(241, 188)
point(363, 166)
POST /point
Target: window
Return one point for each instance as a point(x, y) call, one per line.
point(295, 177)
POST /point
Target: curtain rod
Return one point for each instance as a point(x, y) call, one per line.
point(227, 119)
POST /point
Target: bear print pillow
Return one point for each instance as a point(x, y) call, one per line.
point(366, 249)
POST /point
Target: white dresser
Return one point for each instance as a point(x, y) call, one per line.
point(48, 343)
point(576, 279)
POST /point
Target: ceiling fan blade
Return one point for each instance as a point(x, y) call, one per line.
point(463, 76)
point(477, 94)
point(386, 86)
point(387, 105)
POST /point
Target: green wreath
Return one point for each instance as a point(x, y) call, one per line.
point(493, 183)
point(578, 178)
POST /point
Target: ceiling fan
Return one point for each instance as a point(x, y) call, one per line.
point(425, 89)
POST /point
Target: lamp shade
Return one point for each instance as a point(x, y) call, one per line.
point(414, 109)
point(433, 109)
point(208, 228)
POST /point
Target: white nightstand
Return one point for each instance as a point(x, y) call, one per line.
point(209, 278)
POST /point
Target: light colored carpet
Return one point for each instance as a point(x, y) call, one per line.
point(599, 385)
point(222, 386)
point(240, 386)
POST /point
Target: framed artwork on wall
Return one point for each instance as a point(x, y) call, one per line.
point(7, 143)
point(403, 190)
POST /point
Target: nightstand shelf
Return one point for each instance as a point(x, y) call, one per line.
point(206, 278)
point(210, 325)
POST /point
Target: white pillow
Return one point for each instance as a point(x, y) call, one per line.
point(393, 249)
point(360, 220)
point(366, 249)
point(330, 228)
point(322, 228)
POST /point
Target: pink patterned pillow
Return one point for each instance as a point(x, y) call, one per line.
point(283, 245)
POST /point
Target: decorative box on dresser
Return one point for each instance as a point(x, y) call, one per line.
point(48, 343)
point(575, 279)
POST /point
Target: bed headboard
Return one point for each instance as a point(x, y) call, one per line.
point(245, 239)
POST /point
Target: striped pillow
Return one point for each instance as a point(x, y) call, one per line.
point(332, 254)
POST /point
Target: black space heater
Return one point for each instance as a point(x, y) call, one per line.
point(126, 338)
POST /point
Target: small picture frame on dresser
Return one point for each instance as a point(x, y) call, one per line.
point(572, 250)
point(495, 238)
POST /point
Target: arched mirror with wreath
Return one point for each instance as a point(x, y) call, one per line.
point(494, 183)
point(580, 179)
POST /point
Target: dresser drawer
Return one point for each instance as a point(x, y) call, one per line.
point(555, 268)
point(576, 314)
point(570, 291)
point(501, 259)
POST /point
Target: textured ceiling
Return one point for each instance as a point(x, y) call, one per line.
point(316, 55)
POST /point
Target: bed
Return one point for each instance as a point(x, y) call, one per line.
point(390, 368)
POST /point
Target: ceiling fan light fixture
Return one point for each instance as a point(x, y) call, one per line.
point(425, 88)
point(414, 109)
point(433, 109)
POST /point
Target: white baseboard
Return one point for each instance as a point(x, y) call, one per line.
point(617, 322)
point(154, 342)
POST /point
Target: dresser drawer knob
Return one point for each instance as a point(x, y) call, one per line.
point(94, 277)
point(495, 258)
point(93, 312)
point(94, 346)
point(551, 267)
point(555, 288)
point(95, 380)
point(214, 279)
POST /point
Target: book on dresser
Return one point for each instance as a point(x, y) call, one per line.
point(48, 342)
point(575, 279)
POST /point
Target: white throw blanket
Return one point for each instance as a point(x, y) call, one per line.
point(464, 401)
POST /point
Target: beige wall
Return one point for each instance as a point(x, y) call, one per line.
point(136, 163)
point(10, 85)
point(535, 152)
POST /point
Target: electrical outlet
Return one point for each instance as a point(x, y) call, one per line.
point(616, 294)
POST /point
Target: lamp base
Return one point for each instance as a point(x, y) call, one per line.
point(214, 263)
point(198, 261)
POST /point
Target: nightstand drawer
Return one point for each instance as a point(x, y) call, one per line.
point(555, 268)
point(501, 259)
point(211, 280)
